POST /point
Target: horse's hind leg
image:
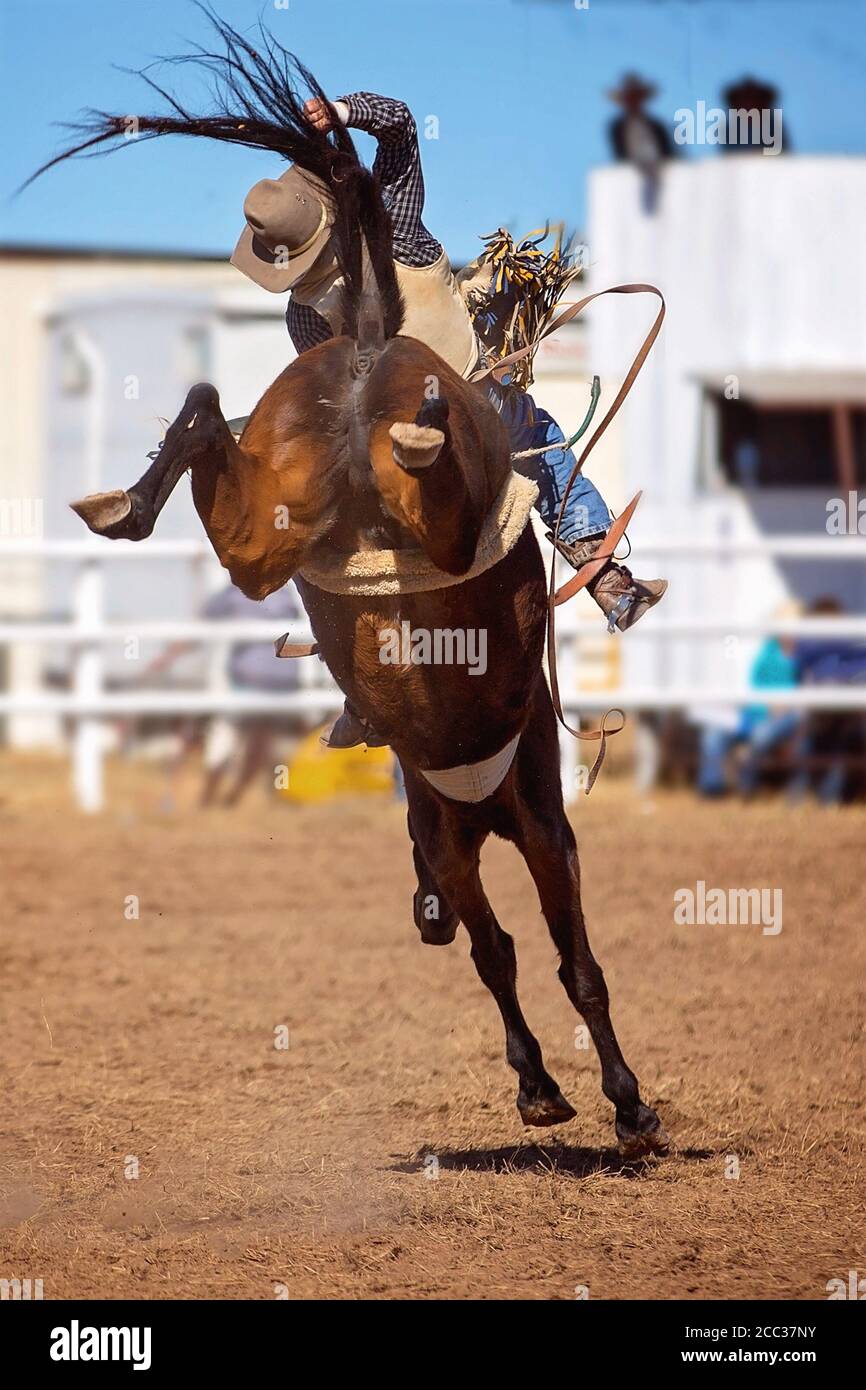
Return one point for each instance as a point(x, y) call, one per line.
point(551, 854)
point(547, 843)
point(451, 848)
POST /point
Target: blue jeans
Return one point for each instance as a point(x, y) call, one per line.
point(763, 737)
point(715, 745)
point(586, 512)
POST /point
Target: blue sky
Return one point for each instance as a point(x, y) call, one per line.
point(518, 87)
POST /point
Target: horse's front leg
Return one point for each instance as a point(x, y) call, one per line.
point(422, 480)
point(131, 515)
point(259, 519)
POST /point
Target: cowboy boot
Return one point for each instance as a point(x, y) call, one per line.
point(349, 730)
point(622, 598)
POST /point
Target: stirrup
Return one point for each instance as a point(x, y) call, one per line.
point(619, 610)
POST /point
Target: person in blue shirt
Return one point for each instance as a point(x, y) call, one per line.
point(766, 729)
point(760, 726)
point(828, 742)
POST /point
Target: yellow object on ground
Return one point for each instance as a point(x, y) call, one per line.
point(317, 773)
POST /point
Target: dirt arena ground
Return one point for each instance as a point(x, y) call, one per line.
point(380, 1155)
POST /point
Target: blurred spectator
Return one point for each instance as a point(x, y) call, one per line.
point(761, 127)
point(826, 747)
point(761, 727)
point(242, 745)
point(747, 462)
point(830, 660)
point(239, 746)
point(831, 744)
point(637, 138)
point(768, 729)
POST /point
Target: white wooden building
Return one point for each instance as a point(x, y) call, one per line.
point(750, 416)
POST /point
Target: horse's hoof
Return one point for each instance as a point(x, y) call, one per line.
point(646, 1137)
point(439, 933)
point(438, 930)
point(103, 511)
point(117, 515)
point(415, 447)
point(546, 1110)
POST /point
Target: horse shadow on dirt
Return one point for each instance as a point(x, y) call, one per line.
point(566, 1160)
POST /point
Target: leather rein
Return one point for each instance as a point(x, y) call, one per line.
point(588, 571)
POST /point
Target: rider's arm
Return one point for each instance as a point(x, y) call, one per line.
point(306, 327)
point(398, 168)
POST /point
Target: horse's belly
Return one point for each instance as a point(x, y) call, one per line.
point(446, 676)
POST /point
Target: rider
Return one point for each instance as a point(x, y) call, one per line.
point(286, 246)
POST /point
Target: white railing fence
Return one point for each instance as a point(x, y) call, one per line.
point(88, 631)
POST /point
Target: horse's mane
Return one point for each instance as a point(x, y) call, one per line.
point(256, 103)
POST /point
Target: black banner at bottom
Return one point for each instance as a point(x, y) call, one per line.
point(65, 1338)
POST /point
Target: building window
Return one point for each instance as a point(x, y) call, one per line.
point(790, 446)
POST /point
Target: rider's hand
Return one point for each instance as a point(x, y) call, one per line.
point(318, 113)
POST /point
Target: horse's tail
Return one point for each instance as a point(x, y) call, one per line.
point(372, 305)
point(256, 103)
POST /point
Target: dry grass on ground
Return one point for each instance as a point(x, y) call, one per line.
point(153, 1039)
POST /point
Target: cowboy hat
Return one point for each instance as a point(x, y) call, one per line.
point(632, 88)
point(750, 92)
point(288, 225)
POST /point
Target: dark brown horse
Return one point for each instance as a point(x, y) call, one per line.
point(371, 442)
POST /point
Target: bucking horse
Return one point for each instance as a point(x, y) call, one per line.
point(380, 481)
